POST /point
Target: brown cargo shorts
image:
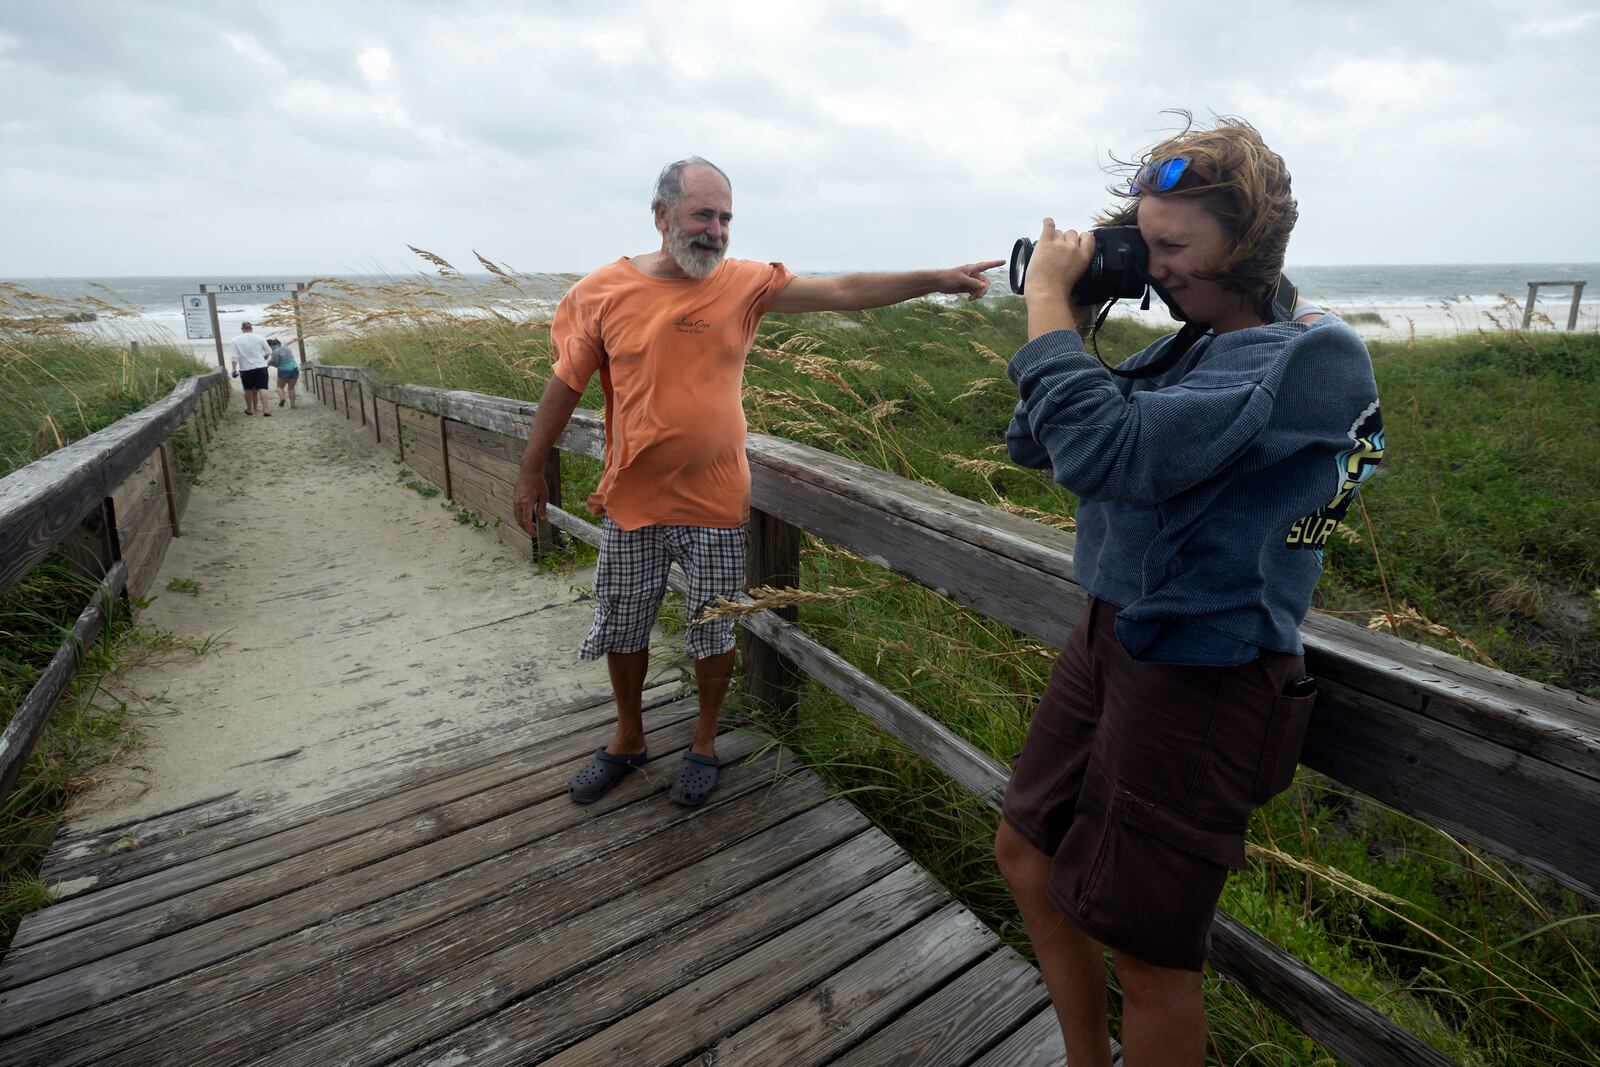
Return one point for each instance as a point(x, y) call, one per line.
point(1137, 779)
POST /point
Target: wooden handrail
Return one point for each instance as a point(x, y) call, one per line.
point(25, 727)
point(43, 502)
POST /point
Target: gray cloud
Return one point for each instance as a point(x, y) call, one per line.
point(162, 140)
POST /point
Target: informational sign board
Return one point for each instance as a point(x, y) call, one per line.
point(252, 287)
point(196, 317)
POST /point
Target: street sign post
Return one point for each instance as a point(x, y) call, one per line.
point(209, 291)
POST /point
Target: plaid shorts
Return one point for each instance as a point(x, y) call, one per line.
point(632, 578)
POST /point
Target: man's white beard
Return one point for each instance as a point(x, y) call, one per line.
point(695, 260)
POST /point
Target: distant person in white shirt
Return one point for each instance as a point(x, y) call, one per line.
point(250, 367)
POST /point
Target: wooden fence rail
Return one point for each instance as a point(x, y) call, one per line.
point(112, 502)
point(1498, 760)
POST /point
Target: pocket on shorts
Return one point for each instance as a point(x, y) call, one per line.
point(1280, 754)
point(1157, 880)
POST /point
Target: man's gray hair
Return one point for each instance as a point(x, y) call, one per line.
point(669, 186)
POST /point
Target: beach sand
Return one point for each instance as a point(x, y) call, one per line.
point(352, 620)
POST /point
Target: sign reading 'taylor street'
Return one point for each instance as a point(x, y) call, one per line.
point(252, 287)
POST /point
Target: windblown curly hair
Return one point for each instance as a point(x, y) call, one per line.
point(1242, 183)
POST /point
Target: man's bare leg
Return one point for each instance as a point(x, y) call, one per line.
point(1163, 1014)
point(1073, 964)
point(627, 686)
point(711, 676)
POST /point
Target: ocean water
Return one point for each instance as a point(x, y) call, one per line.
point(155, 302)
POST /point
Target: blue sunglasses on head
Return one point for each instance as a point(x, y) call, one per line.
point(1159, 177)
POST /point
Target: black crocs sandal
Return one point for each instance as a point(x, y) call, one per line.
point(600, 774)
point(696, 779)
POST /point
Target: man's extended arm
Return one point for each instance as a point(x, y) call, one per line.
point(852, 292)
point(556, 406)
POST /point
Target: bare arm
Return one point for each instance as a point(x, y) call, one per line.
point(852, 292)
point(556, 406)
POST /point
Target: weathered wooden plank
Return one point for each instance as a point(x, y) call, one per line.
point(1038, 1041)
point(424, 459)
point(277, 865)
point(486, 486)
point(560, 888)
point(474, 988)
point(672, 1028)
point(72, 854)
point(859, 999)
point(501, 447)
point(408, 770)
point(41, 503)
point(1040, 604)
point(1550, 724)
point(146, 563)
point(28, 722)
point(497, 476)
point(866, 878)
point(385, 415)
point(127, 850)
point(193, 947)
point(187, 890)
point(585, 434)
point(419, 432)
point(1535, 813)
point(961, 1020)
point(137, 486)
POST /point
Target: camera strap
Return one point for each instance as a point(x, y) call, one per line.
point(1284, 298)
point(1185, 340)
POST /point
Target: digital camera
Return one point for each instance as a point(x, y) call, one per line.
point(1116, 271)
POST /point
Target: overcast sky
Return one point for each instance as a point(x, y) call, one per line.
point(287, 137)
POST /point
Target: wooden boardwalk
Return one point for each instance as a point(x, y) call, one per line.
point(466, 912)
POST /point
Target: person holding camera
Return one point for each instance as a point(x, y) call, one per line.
point(1211, 468)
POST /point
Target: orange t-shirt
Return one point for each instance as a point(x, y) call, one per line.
point(671, 354)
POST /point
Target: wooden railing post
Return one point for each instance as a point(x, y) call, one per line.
point(167, 487)
point(545, 540)
point(770, 679)
point(444, 458)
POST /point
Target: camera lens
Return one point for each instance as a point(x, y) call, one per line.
point(1021, 252)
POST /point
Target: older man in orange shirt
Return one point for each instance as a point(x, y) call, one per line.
point(668, 332)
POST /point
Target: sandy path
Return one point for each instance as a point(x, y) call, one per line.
point(353, 620)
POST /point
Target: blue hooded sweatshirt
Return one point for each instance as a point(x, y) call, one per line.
point(1207, 491)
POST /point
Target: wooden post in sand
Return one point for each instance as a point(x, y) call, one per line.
point(1533, 295)
point(216, 328)
point(299, 336)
